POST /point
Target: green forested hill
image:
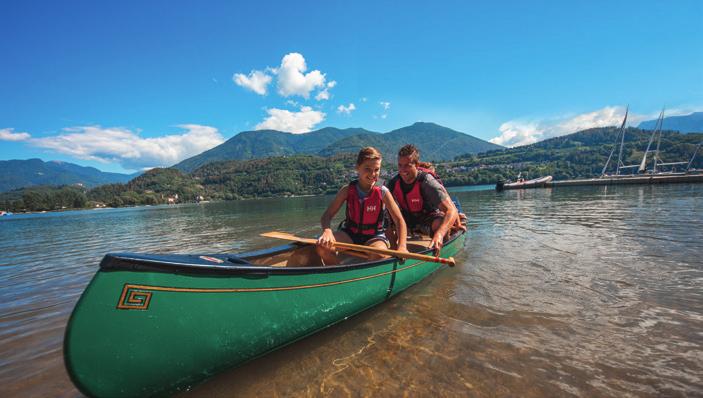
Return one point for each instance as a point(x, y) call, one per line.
point(434, 141)
point(279, 176)
point(579, 155)
point(268, 143)
point(15, 174)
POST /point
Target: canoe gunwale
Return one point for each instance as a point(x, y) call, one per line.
point(171, 264)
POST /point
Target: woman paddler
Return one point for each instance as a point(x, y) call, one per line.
point(364, 215)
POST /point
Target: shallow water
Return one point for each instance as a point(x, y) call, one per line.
point(582, 291)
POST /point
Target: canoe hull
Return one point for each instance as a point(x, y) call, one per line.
point(145, 333)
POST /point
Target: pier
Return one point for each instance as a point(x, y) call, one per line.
point(623, 180)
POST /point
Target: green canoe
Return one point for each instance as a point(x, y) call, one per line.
point(156, 324)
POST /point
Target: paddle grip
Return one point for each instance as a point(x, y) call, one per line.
point(449, 261)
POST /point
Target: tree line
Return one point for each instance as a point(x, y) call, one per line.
point(579, 155)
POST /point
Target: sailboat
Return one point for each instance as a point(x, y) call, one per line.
point(620, 167)
point(657, 164)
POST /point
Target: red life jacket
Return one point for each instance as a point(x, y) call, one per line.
point(364, 217)
point(411, 203)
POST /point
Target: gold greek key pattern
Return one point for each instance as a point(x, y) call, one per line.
point(133, 298)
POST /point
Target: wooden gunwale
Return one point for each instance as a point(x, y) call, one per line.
point(127, 262)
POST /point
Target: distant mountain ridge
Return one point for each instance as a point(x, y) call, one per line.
point(15, 174)
point(267, 143)
point(692, 123)
point(435, 143)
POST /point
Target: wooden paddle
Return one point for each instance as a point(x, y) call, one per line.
point(394, 253)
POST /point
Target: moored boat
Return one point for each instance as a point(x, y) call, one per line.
point(156, 324)
point(524, 184)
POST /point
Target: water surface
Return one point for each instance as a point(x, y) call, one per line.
point(581, 291)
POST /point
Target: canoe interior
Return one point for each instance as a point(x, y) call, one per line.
point(304, 255)
point(285, 258)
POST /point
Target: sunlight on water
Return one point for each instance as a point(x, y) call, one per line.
point(583, 291)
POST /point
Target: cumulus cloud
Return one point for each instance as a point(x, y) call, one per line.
point(127, 148)
point(323, 95)
point(346, 109)
point(525, 132)
point(292, 122)
point(8, 135)
point(257, 81)
point(386, 105)
point(292, 79)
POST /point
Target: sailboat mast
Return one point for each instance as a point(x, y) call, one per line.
point(693, 157)
point(659, 140)
point(612, 151)
point(657, 127)
point(622, 141)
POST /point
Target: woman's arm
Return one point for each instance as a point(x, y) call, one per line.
point(398, 220)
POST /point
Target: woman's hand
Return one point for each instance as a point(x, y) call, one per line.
point(327, 238)
point(403, 248)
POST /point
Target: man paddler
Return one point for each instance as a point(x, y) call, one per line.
point(423, 201)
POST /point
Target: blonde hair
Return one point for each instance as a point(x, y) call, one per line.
point(368, 153)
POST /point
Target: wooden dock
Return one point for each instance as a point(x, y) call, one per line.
point(624, 180)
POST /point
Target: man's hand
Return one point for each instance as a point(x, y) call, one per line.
point(437, 241)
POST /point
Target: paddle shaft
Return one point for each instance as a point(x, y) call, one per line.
point(342, 245)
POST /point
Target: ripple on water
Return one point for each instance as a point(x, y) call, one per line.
point(591, 291)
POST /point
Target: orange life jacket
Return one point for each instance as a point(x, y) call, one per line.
point(365, 216)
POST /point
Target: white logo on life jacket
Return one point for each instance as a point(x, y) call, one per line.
point(370, 208)
point(414, 200)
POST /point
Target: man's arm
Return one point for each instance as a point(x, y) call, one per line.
point(450, 213)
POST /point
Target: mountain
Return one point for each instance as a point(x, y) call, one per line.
point(692, 123)
point(434, 142)
point(267, 143)
point(15, 174)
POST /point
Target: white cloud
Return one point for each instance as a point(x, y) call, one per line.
point(257, 81)
point(522, 132)
point(8, 135)
point(386, 105)
point(346, 109)
point(292, 122)
point(128, 148)
point(364, 99)
point(323, 95)
point(293, 81)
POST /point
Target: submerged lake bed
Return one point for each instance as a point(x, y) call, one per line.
point(582, 291)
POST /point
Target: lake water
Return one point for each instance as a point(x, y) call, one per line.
point(582, 291)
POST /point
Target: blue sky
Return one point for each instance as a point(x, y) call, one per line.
point(125, 85)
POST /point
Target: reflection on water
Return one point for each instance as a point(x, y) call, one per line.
point(585, 291)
